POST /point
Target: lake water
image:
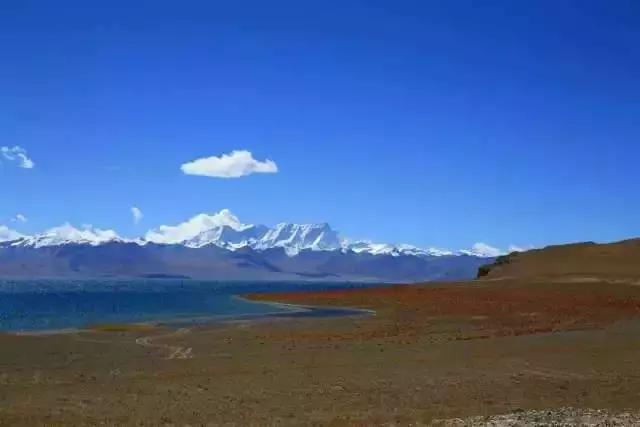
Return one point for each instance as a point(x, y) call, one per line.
point(37, 305)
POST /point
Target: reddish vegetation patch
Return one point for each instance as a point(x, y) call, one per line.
point(472, 311)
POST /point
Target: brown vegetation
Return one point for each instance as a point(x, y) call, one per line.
point(547, 330)
point(480, 309)
point(619, 260)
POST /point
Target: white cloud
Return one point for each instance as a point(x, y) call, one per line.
point(233, 165)
point(17, 154)
point(192, 227)
point(7, 234)
point(137, 214)
point(19, 218)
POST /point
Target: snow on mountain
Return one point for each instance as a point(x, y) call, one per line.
point(228, 237)
point(66, 234)
point(370, 248)
point(482, 250)
point(224, 229)
point(414, 250)
point(297, 237)
point(364, 246)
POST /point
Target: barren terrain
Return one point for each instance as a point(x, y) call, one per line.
point(556, 348)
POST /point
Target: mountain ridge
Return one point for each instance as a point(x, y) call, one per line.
point(129, 259)
point(220, 246)
point(225, 230)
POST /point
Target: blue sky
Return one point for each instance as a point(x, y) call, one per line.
point(426, 122)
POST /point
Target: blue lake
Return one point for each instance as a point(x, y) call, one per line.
point(35, 305)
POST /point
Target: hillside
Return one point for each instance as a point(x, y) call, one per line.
point(580, 261)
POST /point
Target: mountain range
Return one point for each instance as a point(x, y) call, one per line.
point(219, 246)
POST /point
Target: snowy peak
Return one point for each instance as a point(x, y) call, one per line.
point(68, 234)
point(297, 237)
point(224, 229)
point(393, 250)
point(414, 250)
point(228, 237)
point(482, 250)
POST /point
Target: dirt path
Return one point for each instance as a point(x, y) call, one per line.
point(175, 352)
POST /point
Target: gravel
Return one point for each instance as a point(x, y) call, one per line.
point(555, 417)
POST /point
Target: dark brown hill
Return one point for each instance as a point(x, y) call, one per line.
point(579, 261)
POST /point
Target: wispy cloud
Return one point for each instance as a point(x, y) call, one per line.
point(19, 218)
point(17, 154)
point(193, 227)
point(232, 165)
point(7, 234)
point(137, 214)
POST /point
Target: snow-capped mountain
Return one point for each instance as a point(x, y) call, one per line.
point(220, 246)
point(483, 251)
point(227, 237)
point(223, 229)
point(226, 231)
point(293, 238)
point(368, 247)
point(67, 234)
point(298, 237)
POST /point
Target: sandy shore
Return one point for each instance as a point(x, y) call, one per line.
point(435, 352)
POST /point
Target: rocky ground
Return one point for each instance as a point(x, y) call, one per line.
point(563, 417)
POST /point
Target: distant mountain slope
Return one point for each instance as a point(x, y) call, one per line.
point(128, 259)
point(620, 260)
point(219, 246)
point(223, 229)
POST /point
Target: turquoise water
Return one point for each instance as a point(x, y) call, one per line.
point(36, 305)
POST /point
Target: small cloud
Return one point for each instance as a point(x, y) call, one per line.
point(17, 154)
point(7, 234)
point(137, 215)
point(19, 218)
point(233, 165)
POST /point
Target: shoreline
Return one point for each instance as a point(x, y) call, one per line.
point(288, 311)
